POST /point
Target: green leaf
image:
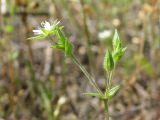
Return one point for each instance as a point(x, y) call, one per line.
point(68, 48)
point(112, 92)
point(108, 63)
point(117, 54)
point(57, 46)
point(116, 41)
point(92, 94)
point(61, 35)
point(63, 43)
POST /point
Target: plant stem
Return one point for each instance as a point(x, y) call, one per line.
point(110, 78)
point(106, 109)
point(106, 105)
point(89, 77)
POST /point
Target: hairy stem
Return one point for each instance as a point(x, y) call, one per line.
point(89, 77)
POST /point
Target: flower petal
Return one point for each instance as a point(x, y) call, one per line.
point(37, 32)
point(46, 25)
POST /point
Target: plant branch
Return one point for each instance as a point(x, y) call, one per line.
point(89, 77)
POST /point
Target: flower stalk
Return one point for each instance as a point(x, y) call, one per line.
point(89, 77)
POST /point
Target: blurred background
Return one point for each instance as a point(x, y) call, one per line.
point(39, 83)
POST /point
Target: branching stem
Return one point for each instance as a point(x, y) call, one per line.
point(89, 77)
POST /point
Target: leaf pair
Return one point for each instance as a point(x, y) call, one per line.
point(112, 57)
point(109, 94)
point(118, 51)
point(63, 43)
point(112, 92)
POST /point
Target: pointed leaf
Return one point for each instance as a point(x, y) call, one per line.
point(116, 41)
point(111, 93)
point(57, 46)
point(61, 35)
point(37, 37)
point(117, 54)
point(108, 63)
point(68, 48)
point(92, 94)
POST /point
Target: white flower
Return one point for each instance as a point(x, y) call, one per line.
point(47, 27)
point(104, 34)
